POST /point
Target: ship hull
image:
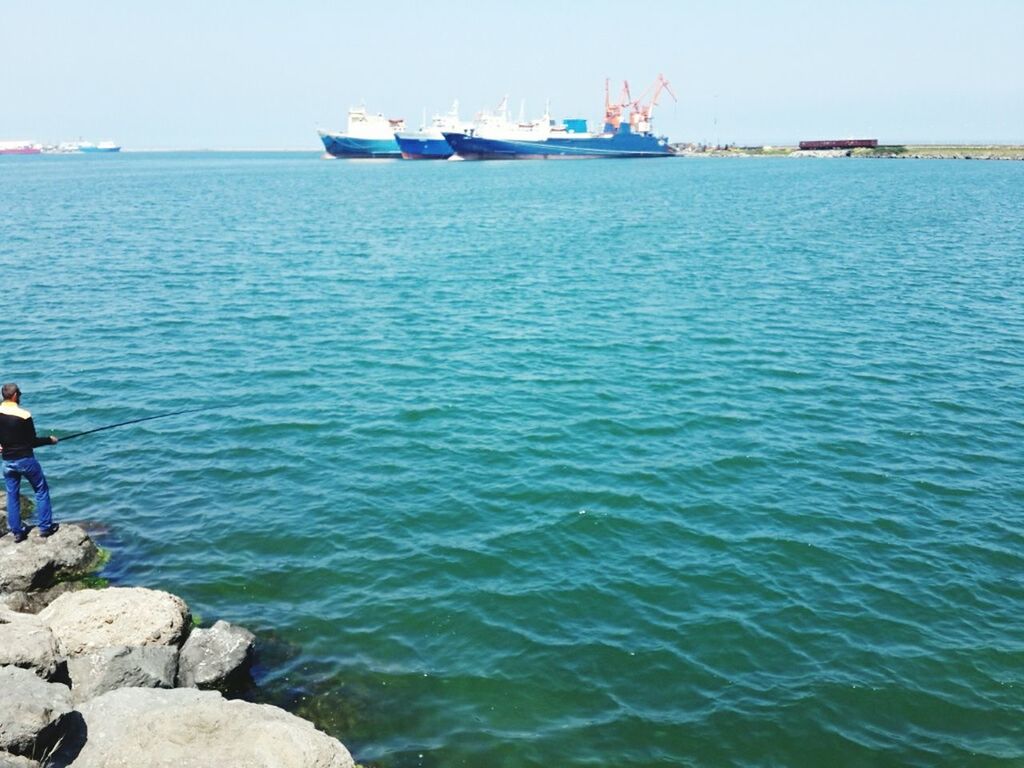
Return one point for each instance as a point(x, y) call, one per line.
point(99, 149)
point(619, 145)
point(417, 146)
point(21, 151)
point(340, 145)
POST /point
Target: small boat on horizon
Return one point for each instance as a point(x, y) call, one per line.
point(366, 136)
point(103, 146)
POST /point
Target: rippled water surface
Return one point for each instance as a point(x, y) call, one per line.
point(625, 463)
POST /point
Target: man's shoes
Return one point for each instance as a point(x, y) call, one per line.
point(21, 536)
point(44, 532)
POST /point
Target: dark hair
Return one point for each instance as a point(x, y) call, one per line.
point(10, 390)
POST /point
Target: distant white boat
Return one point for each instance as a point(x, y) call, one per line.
point(103, 146)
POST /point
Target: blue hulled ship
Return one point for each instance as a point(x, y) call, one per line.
point(428, 143)
point(424, 144)
point(103, 146)
point(367, 136)
point(543, 139)
point(560, 143)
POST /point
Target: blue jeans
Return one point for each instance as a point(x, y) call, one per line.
point(13, 472)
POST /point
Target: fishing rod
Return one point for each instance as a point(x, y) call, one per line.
point(136, 421)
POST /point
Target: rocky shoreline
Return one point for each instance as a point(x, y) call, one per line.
point(893, 152)
point(120, 676)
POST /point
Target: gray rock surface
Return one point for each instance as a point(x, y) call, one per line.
point(31, 712)
point(8, 760)
point(93, 674)
point(820, 153)
point(27, 642)
point(93, 619)
point(211, 657)
point(38, 563)
point(134, 727)
point(36, 600)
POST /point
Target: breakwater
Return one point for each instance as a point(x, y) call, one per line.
point(888, 152)
point(93, 677)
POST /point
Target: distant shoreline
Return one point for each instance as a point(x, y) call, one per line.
point(890, 152)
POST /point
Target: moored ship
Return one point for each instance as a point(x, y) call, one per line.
point(366, 136)
point(631, 137)
point(19, 148)
point(428, 143)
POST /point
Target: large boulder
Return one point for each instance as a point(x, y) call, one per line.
point(156, 728)
point(216, 656)
point(142, 666)
point(27, 643)
point(93, 619)
point(32, 712)
point(40, 562)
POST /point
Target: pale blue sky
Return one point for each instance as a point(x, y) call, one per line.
point(189, 74)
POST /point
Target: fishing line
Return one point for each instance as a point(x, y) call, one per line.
point(136, 421)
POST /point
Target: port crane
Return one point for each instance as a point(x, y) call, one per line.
point(640, 114)
point(613, 111)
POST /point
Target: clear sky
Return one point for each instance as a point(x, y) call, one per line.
point(255, 74)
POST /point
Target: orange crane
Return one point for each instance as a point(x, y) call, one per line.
point(613, 112)
point(640, 115)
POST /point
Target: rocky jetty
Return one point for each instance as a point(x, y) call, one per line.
point(821, 153)
point(119, 676)
point(892, 152)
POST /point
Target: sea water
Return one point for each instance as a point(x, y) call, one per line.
point(631, 463)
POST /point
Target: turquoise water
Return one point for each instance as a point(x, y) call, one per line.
point(630, 463)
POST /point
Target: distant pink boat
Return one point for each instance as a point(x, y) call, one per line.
point(19, 148)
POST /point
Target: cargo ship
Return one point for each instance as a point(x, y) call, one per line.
point(367, 136)
point(428, 143)
point(544, 139)
point(19, 148)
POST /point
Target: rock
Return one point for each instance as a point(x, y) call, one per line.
point(8, 760)
point(93, 619)
point(156, 728)
point(36, 600)
point(212, 657)
point(27, 643)
point(93, 674)
point(38, 563)
point(32, 712)
point(820, 153)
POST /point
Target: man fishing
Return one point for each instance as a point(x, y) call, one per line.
point(18, 438)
